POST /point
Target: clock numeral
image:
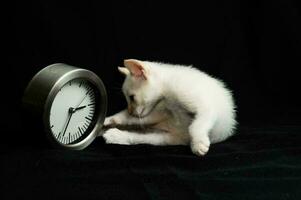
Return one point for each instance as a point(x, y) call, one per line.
point(77, 135)
point(52, 126)
point(80, 84)
point(90, 119)
point(80, 131)
point(89, 91)
point(92, 97)
point(91, 94)
point(59, 136)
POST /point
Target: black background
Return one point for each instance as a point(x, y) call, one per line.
point(254, 46)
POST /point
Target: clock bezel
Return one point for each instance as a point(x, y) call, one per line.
point(76, 73)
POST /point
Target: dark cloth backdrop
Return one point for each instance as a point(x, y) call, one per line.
point(254, 46)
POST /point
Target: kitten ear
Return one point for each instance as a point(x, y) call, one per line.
point(136, 68)
point(123, 70)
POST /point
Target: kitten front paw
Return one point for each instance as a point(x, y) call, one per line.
point(116, 136)
point(110, 122)
point(200, 148)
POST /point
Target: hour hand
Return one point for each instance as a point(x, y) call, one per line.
point(78, 108)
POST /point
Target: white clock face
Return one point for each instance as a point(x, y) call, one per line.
point(72, 111)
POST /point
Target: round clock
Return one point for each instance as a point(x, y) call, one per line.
point(71, 102)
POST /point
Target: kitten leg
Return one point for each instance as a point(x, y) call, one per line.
point(118, 118)
point(116, 136)
point(199, 134)
point(124, 118)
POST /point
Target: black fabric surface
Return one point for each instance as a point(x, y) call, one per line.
point(254, 46)
point(257, 163)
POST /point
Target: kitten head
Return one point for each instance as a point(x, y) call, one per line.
point(141, 88)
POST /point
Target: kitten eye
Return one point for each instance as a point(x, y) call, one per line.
point(132, 98)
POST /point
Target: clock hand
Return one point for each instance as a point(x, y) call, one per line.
point(70, 111)
point(78, 108)
point(82, 100)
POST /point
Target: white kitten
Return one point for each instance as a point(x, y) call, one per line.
point(182, 104)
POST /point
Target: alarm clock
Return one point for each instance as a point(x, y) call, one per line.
point(71, 103)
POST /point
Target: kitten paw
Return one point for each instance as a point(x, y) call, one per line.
point(110, 122)
point(200, 148)
point(116, 136)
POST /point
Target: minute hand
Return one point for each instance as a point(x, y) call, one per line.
point(71, 111)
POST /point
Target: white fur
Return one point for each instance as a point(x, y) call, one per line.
point(181, 90)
